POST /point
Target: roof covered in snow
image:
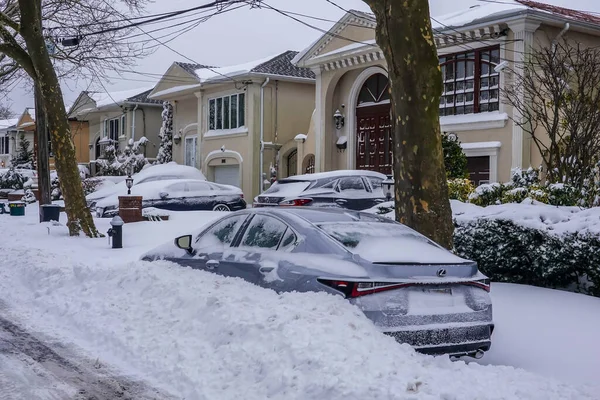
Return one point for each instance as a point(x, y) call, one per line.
point(138, 95)
point(8, 123)
point(279, 64)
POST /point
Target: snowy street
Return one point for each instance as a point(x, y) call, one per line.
point(195, 335)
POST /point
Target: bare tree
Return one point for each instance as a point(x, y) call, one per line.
point(5, 112)
point(405, 36)
point(557, 93)
point(29, 33)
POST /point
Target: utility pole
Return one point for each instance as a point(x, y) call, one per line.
point(43, 159)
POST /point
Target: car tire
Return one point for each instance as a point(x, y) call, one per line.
point(221, 207)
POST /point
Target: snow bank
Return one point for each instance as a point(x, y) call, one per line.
point(201, 336)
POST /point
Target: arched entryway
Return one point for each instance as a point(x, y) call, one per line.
point(292, 162)
point(308, 164)
point(373, 126)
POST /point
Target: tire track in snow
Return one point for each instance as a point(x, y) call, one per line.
point(29, 365)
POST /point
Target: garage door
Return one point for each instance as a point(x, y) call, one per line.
point(228, 175)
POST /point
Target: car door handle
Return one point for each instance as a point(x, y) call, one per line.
point(341, 201)
point(212, 264)
point(379, 200)
point(265, 270)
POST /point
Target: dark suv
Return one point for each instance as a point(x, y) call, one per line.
point(352, 189)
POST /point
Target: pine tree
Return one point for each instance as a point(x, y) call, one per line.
point(24, 157)
point(454, 158)
point(165, 151)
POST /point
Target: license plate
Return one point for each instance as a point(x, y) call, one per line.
point(447, 291)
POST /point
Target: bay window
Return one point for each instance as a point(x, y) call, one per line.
point(226, 112)
point(470, 83)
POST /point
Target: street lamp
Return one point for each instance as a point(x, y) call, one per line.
point(129, 183)
point(388, 185)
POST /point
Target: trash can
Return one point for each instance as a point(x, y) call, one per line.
point(17, 208)
point(50, 212)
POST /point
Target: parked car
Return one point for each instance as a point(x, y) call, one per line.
point(152, 173)
point(179, 195)
point(411, 288)
point(351, 189)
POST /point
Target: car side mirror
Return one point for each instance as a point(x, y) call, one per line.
point(185, 243)
point(163, 195)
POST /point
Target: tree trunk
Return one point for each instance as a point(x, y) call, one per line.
point(43, 164)
point(79, 217)
point(405, 36)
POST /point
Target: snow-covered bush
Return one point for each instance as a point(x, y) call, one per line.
point(487, 194)
point(11, 179)
point(24, 158)
point(165, 151)
point(29, 196)
point(124, 163)
point(507, 252)
point(460, 189)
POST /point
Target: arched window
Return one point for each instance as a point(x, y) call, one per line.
point(310, 164)
point(375, 90)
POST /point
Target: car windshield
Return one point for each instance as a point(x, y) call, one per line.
point(287, 187)
point(382, 242)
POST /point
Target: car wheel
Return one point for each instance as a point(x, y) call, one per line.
point(221, 207)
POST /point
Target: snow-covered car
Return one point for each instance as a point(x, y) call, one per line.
point(179, 195)
point(408, 286)
point(351, 189)
point(153, 173)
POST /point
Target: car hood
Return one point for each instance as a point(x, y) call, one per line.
point(118, 188)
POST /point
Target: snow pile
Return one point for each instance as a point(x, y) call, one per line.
point(103, 99)
point(201, 336)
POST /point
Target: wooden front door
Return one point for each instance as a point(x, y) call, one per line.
point(374, 139)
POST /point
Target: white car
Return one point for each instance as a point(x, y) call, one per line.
point(153, 173)
point(179, 195)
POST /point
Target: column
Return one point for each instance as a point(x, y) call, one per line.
point(200, 128)
point(319, 122)
point(523, 32)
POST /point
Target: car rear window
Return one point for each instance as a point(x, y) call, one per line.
point(287, 187)
point(388, 243)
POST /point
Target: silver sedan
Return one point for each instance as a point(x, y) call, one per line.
point(411, 288)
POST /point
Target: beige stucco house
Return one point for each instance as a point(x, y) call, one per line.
point(238, 122)
point(474, 46)
point(8, 140)
point(117, 117)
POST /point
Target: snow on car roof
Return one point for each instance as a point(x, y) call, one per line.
point(336, 174)
point(172, 168)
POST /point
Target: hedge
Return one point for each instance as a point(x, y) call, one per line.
point(507, 252)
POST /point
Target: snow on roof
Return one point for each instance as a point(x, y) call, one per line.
point(103, 99)
point(174, 89)
point(205, 74)
point(278, 64)
point(503, 8)
point(8, 123)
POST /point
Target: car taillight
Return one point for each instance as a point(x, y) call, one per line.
point(484, 284)
point(357, 289)
point(295, 202)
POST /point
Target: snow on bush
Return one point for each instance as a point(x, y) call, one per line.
point(129, 161)
point(530, 243)
point(165, 151)
point(202, 336)
point(11, 179)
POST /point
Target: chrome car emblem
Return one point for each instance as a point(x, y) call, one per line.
point(441, 272)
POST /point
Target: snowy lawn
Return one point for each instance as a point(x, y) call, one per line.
point(201, 336)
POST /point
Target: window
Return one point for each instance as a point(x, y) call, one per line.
point(113, 128)
point(196, 187)
point(375, 90)
point(227, 112)
point(351, 184)
point(191, 146)
point(470, 83)
point(4, 145)
point(289, 241)
point(221, 234)
point(264, 232)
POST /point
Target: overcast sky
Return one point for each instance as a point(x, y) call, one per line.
point(245, 35)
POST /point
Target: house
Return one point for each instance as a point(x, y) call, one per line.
point(8, 131)
point(26, 125)
point(351, 126)
point(116, 118)
point(238, 123)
